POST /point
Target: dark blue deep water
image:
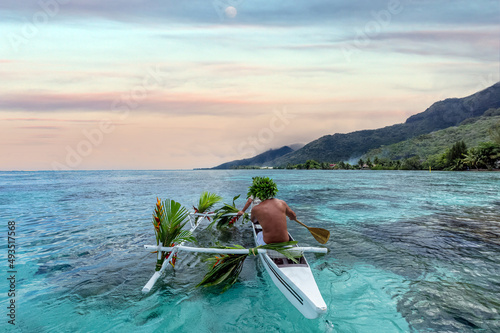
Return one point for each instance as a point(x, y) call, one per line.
point(409, 252)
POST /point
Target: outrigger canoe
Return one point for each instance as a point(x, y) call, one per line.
point(294, 280)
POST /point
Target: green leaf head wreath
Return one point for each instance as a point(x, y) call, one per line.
point(263, 188)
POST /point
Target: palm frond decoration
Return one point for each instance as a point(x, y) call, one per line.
point(169, 219)
point(223, 216)
point(206, 202)
point(226, 268)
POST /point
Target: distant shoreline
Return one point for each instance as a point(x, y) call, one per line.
point(209, 169)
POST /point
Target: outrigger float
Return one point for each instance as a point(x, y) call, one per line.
point(292, 277)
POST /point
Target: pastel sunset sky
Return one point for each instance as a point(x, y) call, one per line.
point(161, 84)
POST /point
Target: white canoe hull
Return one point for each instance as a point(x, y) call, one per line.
point(295, 281)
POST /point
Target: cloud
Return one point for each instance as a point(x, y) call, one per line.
point(52, 102)
point(260, 12)
point(43, 136)
point(449, 43)
point(51, 128)
point(35, 119)
point(472, 38)
point(232, 69)
point(179, 103)
point(460, 35)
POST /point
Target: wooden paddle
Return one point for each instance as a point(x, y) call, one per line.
point(321, 235)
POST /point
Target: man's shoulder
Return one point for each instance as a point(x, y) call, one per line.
point(256, 208)
point(282, 202)
point(274, 201)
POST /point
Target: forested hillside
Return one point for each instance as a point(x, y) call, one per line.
point(441, 115)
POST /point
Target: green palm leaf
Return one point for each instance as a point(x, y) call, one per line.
point(227, 268)
point(169, 219)
point(223, 216)
point(184, 236)
point(207, 201)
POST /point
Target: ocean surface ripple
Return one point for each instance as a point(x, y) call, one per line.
point(409, 252)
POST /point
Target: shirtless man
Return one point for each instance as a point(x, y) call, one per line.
point(271, 213)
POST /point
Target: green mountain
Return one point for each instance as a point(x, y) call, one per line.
point(259, 160)
point(472, 131)
point(440, 115)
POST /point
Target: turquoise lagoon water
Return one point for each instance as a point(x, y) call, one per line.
point(409, 252)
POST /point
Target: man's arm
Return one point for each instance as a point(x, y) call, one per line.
point(290, 213)
point(241, 212)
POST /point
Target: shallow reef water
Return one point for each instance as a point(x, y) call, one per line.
point(409, 252)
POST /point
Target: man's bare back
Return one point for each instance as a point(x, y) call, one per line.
point(271, 215)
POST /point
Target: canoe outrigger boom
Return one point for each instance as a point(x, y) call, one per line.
point(230, 251)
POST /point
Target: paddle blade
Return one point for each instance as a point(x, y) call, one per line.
point(321, 235)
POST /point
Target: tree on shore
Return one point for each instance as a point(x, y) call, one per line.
point(369, 162)
point(473, 158)
point(455, 155)
point(361, 163)
point(455, 158)
point(490, 153)
point(412, 163)
point(312, 164)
